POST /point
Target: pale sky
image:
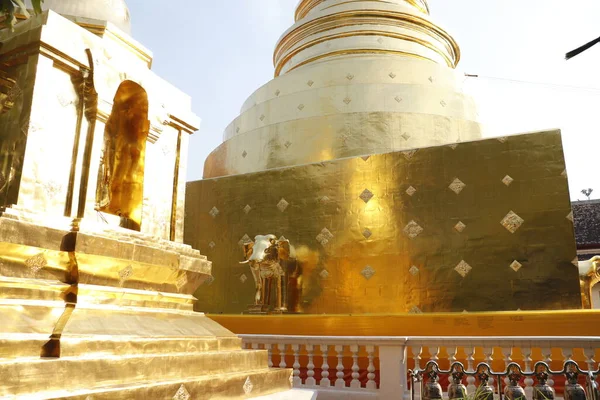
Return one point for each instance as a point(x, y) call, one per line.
point(219, 52)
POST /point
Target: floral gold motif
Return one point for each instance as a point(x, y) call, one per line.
point(463, 268)
point(367, 233)
point(324, 236)
point(282, 205)
point(507, 180)
point(366, 195)
point(245, 239)
point(412, 229)
point(181, 281)
point(214, 212)
point(415, 310)
point(182, 394)
point(248, 386)
point(36, 263)
point(512, 222)
point(457, 186)
point(460, 227)
point(368, 272)
point(516, 266)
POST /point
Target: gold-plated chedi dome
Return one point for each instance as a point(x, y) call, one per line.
point(351, 78)
point(113, 11)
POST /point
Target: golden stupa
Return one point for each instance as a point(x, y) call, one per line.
point(95, 282)
point(364, 153)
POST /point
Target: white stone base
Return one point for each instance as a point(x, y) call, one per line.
point(294, 394)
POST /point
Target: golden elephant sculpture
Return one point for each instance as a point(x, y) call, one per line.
point(265, 256)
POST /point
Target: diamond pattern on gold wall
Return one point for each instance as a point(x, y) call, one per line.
point(466, 238)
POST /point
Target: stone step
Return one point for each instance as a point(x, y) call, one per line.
point(262, 382)
point(32, 375)
point(30, 345)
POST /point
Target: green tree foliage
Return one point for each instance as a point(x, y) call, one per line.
point(9, 7)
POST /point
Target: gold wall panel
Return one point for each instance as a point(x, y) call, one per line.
point(476, 226)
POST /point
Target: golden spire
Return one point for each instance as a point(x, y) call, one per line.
point(305, 6)
point(352, 77)
point(326, 29)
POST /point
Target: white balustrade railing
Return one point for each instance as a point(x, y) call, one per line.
point(377, 367)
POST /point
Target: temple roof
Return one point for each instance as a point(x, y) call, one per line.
point(113, 11)
point(587, 223)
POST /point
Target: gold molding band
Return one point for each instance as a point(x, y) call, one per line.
point(527, 323)
point(356, 52)
point(315, 42)
point(330, 25)
point(364, 17)
point(306, 6)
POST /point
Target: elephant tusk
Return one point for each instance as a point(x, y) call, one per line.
point(244, 262)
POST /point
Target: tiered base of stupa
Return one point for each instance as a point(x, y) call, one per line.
point(107, 314)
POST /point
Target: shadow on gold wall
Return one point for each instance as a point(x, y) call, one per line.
point(121, 174)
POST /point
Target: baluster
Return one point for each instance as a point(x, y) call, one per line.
point(528, 380)
point(310, 380)
point(547, 354)
point(590, 352)
point(325, 381)
point(296, 365)
point(470, 351)
point(488, 352)
point(282, 350)
point(433, 353)
point(371, 384)
point(355, 383)
point(452, 350)
point(255, 346)
point(416, 351)
point(567, 353)
point(507, 353)
point(245, 345)
point(339, 382)
point(269, 348)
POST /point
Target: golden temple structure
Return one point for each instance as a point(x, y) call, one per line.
point(364, 153)
point(96, 284)
point(357, 181)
